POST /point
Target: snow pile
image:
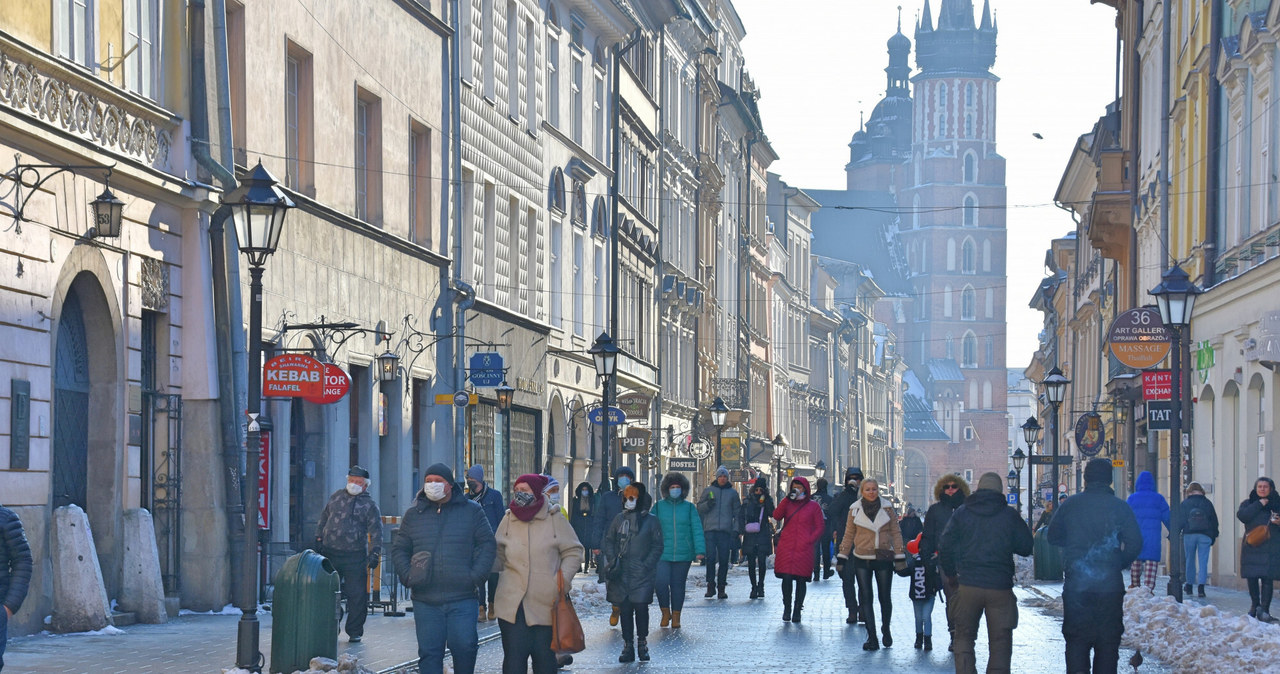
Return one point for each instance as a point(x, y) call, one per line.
point(108, 631)
point(588, 597)
point(1198, 638)
point(1044, 601)
point(1024, 570)
point(229, 609)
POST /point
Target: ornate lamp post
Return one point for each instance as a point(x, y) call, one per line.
point(605, 354)
point(1012, 480)
point(820, 469)
point(505, 395)
point(258, 207)
point(779, 449)
point(719, 412)
point(1030, 433)
point(1176, 298)
point(1019, 460)
point(1055, 389)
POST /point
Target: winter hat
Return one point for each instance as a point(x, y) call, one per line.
point(913, 545)
point(631, 492)
point(821, 485)
point(853, 472)
point(625, 470)
point(551, 482)
point(476, 473)
point(762, 482)
point(441, 470)
point(357, 471)
point(991, 482)
point(1098, 471)
point(1195, 488)
point(538, 483)
point(722, 472)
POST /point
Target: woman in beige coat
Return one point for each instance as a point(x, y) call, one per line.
point(873, 541)
point(532, 546)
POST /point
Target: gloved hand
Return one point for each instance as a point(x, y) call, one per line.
point(374, 560)
point(900, 568)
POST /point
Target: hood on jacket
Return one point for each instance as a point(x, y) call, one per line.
point(985, 502)
point(821, 485)
point(804, 484)
point(1145, 482)
point(1253, 493)
point(761, 482)
point(643, 500)
point(937, 486)
point(577, 492)
point(674, 479)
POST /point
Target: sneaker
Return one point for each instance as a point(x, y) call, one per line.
point(1186, 589)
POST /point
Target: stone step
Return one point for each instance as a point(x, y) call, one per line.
point(119, 619)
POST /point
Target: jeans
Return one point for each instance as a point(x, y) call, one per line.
point(671, 578)
point(1001, 609)
point(924, 615)
point(1196, 546)
point(453, 625)
point(353, 570)
point(522, 641)
point(635, 621)
point(486, 597)
point(1092, 621)
point(4, 633)
point(821, 556)
point(718, 544)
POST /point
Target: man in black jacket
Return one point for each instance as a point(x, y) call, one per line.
point(1100, 538)
point(451, 535)
point(822, 550)
point(15, 571)
point(349, 533)
point(837, 515)
point(976, 555)
point(949, 493)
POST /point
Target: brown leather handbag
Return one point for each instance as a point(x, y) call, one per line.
point(1258, 535)
point(566, 629)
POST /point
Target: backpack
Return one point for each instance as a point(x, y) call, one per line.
point(1197, 520)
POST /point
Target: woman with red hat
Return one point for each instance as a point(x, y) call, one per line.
point(801, 525)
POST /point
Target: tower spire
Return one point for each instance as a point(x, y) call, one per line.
point(926, 20)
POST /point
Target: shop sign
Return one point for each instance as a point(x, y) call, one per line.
point(293, 375)
point(1138, 338)
point(336, 386)
point(1157, 384)
point(1090, 434)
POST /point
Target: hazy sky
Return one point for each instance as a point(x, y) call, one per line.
point(818, 62)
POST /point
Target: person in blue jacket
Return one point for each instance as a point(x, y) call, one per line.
point(490, 501)
point(1152, 512)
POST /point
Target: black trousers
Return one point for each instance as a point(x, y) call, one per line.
point(635, 621)
point(1260, 591)
point(821, 555)
point(353, 571)
point(882, 574)
point(492, 590)
point(756, 563)
point(717, 559)
point(801, 588)
point(1092, 621)
point(521, 642)
point(849, 583)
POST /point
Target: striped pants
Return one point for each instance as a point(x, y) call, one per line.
point(1143, 572)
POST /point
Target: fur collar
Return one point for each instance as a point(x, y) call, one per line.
point(860, 518)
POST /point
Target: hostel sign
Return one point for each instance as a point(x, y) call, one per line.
point(1138, 338)
point(293, 375)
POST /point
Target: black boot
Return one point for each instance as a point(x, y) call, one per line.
point(628, 652)
point(760, 591)
point(795, 615)
point(1186, 589)
point(885, 638)
point(754, 591)
point(928, 643)
point(919, 639)
point(642, 649)
point(786, 609)
point(1200, 590)
point(853, 617)
point(871, 644)
point(711, 590)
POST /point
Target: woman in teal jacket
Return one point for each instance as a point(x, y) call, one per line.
point(682, 542)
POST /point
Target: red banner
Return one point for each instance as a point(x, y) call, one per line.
point(264, 483)
point(1157, 385)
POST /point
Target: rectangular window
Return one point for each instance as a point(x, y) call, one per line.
point(553, 80)
point(576, 98)
point(419, 184)
point(489, 262)
point(598, 120)
point(299, 140)
point(141, 20)
point(513, 60)
point(465, 16)
point(75, 32)
point(579, 284)
point(487, 47)
point(368, 157)
point(557, 273)
point(531, 74)
point(236, 72)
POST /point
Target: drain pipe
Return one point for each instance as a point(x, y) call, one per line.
point(226, 286)
point(464, 296)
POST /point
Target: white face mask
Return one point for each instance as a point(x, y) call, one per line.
point(631, 504)
point(354, 488)
point(553, 500)
point(434, 490)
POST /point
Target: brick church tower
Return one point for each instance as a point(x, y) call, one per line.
point(952, 196)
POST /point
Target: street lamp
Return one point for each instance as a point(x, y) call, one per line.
point(505, 394)
point(258, 207)
point(1055, 389)
point(108, 215)
point(388, 366)
point(719, 412)
point(820, 469)
point(605, 354)
point(1019, 460)
point(779, 449)
point(1176, 298)
point(1012, 480)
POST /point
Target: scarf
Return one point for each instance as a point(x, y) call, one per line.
point(871, 508)
point(537, 483)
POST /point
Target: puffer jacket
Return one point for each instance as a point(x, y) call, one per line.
point(1152, 511)
point(529, 555)
point(609, 504)
point(938, 514)
point(1196, 515)
point(802, 526)
point(1099, 538)
point(490, 502)
point(682, 538)
point(864, 535)
point(719, 508)
point(981, 539)
point(457, 534)
point(838, 510)
point(1262, 561)
point(637, 536)
point(583, 516)
point(15, 560)
point(346, 523)
point(755, 510)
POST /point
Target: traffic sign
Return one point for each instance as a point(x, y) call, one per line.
point(487, 369)
point(293, 375)
point(1012, 498)
point(462, 399)
point(1138, 338)
point(1047, 460)
point(616, 417)
point(336, 385)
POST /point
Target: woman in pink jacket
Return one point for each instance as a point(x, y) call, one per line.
point(801, 526)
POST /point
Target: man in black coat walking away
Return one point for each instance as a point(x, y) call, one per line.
point(442, 551)
point(822, 551)
point(837, 515)
point(15, 571)
point(949, 493)
point(349, 534)
point(1100, 538)
point(977, 552)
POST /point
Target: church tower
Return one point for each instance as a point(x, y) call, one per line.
point(953, 230)
point(878, 150)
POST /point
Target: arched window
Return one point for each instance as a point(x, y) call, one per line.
point(951, 346)
point(942, 109)
point(970, 211)
point(946, 301)
point(968, 304)
point(970, 356)
point(600, 218)
point(579, 204)
point(989, 347)
point(986, 395)
point(915, 212)
point(970, 167)
point(968, 257)
point(968, 125)
point(555, 200)
point(968, 95)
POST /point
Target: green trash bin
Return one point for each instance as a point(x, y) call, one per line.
point(1048, 557)
point(304, 612)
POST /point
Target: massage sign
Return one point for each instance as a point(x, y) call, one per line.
point(293, 375)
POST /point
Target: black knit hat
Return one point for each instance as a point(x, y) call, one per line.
point(357, 471)
point(441, 470)
point(1098, 471)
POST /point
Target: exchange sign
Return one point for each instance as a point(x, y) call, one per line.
point(336, 386)
point(1138, 338)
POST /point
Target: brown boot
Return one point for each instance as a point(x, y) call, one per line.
point(613, 617)
point(666, 618)
point(480, 617)
point(675, 620)
point(492, 612)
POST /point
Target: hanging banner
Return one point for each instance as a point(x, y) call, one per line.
point(731, 451)
point(264, 483)
point(1090, 434)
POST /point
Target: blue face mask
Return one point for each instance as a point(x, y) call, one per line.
point(675, 492)
point(623, 481)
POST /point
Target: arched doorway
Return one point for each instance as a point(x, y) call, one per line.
point(71, 408)
point(917, 491)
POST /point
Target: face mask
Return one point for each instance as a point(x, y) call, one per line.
point(434, 490)
point(522, 499)
point(675, 492)
point(623, 482)
point(760, 498)
point(354, 488)
point(631, 504)
point(796, 494)
point(852, 483)
point(474, 487)
point(553, 499)
point(584, 493)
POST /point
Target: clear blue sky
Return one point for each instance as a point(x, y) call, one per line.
point(818, 62)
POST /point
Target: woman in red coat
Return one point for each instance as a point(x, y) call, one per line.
point(801, 522)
